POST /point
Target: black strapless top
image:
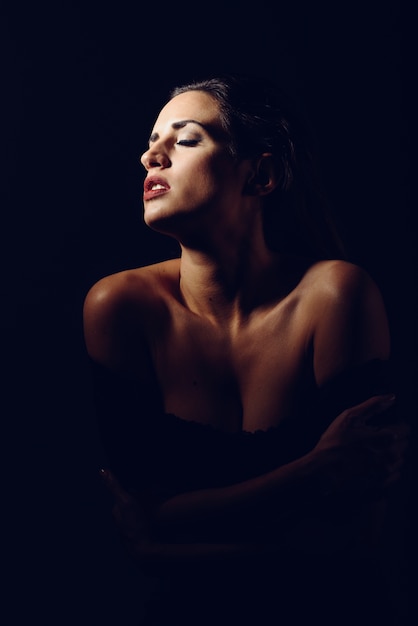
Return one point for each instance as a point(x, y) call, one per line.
point(174, 455)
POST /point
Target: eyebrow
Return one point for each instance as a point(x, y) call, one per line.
point(180, 124)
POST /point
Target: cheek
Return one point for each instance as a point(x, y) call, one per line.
point(207, 180)
point(202, 180)
point(218, 174)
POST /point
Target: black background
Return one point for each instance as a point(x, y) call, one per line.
point(82, 84)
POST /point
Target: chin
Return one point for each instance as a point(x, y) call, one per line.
point(163, 221)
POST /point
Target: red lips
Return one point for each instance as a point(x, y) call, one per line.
point(155, 186)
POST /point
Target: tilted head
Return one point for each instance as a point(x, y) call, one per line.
point(259, 118)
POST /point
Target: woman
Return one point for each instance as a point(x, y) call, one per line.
point(243, 388)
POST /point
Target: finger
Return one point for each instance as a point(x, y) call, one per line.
point(114, 486)
point(385, 444)
point(395, 435)
point(371, 407)
point(402, 431)
point(393, 477)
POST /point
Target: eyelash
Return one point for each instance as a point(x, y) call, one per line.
point(187, 142)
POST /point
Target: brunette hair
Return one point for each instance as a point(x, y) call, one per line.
point(258, 116)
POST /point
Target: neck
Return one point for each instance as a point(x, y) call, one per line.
point(227, 284)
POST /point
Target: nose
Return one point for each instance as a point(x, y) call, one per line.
point(155, 157)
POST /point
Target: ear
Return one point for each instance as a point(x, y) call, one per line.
point(264, 177)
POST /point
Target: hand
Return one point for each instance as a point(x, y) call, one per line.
point(131, 514)
point(133, 519)
point(370, 456)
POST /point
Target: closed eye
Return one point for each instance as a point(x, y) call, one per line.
point(187, 142)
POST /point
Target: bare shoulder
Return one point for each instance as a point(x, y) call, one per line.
point(348, 321)
point(336, 279)
point(118, 308)
point(140, 285)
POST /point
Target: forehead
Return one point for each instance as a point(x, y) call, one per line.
point(194, 105)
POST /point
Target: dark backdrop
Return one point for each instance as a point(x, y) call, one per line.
point(82, 83)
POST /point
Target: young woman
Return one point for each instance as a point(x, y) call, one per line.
point(243, 388)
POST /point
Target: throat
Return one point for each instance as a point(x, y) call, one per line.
point(227, 297)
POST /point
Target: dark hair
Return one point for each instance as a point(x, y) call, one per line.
point(259, 117)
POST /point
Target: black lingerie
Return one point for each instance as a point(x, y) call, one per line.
point(175, 456)
point(178, 455)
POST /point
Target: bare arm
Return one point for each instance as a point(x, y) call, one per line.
point(352, 458)
point(159, 548)
point(165, 557)
point(341, 464)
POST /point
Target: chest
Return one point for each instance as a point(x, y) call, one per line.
point(249, 380)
